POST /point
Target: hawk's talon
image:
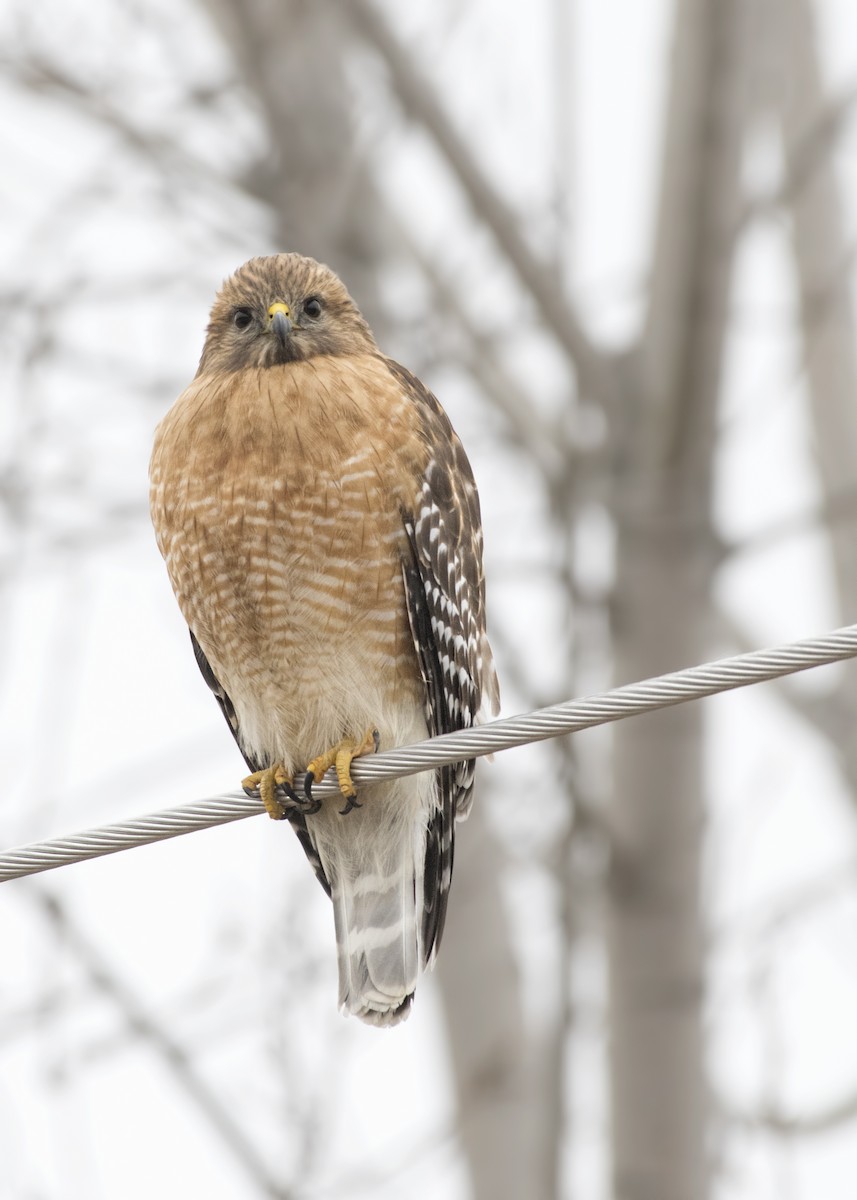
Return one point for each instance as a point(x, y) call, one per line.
point(311, 805)
point(353, 802)
point(341, 757)
point(274, 788)
point(288, 791)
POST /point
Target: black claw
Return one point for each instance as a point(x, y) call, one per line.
point(288, 799)
point(376, 738)
point(291, 800)
point(310, 805)
point(294, 803)
point(351, 803)
point(286, 789)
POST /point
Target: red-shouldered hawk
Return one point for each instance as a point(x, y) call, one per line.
point(321, 529)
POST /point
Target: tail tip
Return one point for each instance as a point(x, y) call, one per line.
point(381, 1017)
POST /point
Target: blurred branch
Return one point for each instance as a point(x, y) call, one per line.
point(772, 1120)
point(166, 1047)
point(838, 506)
point(43, 77)
point(832, 715)
point(176, 165)
point(810, 149)
point(820, 246)
point(798, 903)
point(313, 173)
point(596, 371)
point(729, 630)
point(818, 307)
point(543, 440)
point(806, 154)
point(827, 318)
point(695, 240)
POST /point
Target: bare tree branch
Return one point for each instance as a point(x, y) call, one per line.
point(820, 245)
point(168, 1049)
point(839, 506)
point(799, 903)
point(544, 441)
point(48, 78)
point(806, 154)
point(596, 372)
point(770, 1120)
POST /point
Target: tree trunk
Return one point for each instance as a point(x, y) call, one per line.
point(822, 251)
point(481, 995)
point(292, 58)
point(666, 559)
point(824, 260)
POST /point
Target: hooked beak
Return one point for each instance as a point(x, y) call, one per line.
point(279, 322)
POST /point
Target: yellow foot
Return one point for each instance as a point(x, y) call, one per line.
point(341, 757)
point(274, 787)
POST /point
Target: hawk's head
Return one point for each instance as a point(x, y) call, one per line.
point(282, 309)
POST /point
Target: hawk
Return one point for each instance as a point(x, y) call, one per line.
point(321, 530)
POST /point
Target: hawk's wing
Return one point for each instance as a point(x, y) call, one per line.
point(298, 821)
point(445, 592)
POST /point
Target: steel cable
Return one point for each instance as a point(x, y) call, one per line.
point(631, 700)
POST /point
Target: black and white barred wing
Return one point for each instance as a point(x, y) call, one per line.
point(446, 587)
point(446, 606)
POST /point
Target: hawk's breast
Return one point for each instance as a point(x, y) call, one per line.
point(276, 499)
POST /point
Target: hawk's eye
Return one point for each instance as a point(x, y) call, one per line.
point(242, 317)
point(312, 307)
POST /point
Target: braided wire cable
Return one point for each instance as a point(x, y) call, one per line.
point(663, 691)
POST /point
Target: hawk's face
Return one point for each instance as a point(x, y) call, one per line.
point(282, 309)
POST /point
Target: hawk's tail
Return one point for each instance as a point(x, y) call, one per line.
point(375, 859)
